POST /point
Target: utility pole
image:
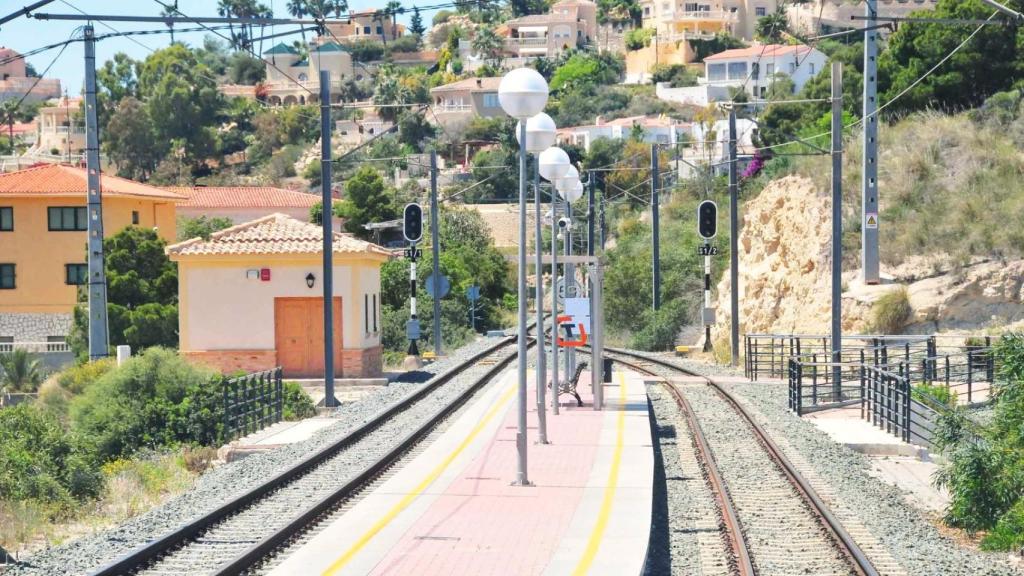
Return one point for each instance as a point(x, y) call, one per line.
point(435, 238)
point(837, 226)
point(869, 179)
point(328, 246)
point(656, 236)
point(601, 202)
point(99, 342)
point(734, 265)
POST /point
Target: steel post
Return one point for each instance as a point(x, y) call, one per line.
point(837, 225)
point(597, 330)
point(734, 267)
point(869, 178)
point(99, 342)
point(435, 238)
point(569, 281)
point(554, 303)
point(656, 232)
point(328, 236)
point(521, 475)
point(538, 265)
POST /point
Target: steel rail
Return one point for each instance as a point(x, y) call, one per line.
point(147, 553)
point(733, 527)
point(858, 559)
point(297, 525)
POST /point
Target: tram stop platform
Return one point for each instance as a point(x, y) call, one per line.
point(453, 509)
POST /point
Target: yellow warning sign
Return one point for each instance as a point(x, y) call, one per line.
point(871, 221)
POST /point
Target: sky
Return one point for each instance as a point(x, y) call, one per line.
point(24, 34)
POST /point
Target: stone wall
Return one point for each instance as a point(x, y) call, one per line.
point(33, 327)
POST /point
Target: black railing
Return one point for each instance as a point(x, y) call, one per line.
point(768, 355)
point(252, 402)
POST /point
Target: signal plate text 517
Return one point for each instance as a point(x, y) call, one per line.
point(707, 250)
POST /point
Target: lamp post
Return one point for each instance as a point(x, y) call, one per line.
point(540, 135)
point(522, 93)
point(552, 164)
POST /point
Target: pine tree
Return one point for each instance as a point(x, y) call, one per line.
point(416, 23)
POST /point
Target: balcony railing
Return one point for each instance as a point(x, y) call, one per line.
point(453, 108)
point(34, 347)
point(527, 42)
point(721, 15)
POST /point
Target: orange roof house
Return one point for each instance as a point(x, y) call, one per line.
point(43, 236)
point(251, 298)
point(243, 203)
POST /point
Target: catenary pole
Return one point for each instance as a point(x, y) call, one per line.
point(734, 266)
point(869, 171)
point(656, 236)
point(521, 476)
point(538, 266)
point(328, 233)
point(837, 225)
point(98, 330)
point(591, 221)
point(569, 281)
point(435, 238)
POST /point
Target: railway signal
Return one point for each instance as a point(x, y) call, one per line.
point(707, 219)
point(707, 228)
point(412, 222)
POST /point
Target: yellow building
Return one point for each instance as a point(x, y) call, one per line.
point(42, 242)
point(251, 298)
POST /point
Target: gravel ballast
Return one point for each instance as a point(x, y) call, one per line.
point(230, 480)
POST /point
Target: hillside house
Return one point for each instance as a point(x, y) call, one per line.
point(243, 203)
point(655, 129)
point(461, 101)
point(15, 82)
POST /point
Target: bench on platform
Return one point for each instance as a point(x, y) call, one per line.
point(569, 386)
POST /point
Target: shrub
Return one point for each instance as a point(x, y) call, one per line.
point(75, 379)
point(639, 38)
point(928, 392)
point(891, 312)
point(678, 75)
point(153, 400)
point(296, 403)
point(659, 328)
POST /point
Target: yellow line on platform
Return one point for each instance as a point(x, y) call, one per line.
point(597, 534)
point(420, 488)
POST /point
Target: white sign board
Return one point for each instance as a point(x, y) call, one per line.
point(871, 220)
point(579, 309)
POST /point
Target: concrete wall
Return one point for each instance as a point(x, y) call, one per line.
point(40, 255)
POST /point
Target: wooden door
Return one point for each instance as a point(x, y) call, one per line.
point(299, 336)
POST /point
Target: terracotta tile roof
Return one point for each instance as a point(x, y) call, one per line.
point(61, 180)
point(243, 197)
point(762, 51)
point(489, 84)
point(274, 234)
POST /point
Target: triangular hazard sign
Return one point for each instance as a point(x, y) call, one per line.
point(871, 221)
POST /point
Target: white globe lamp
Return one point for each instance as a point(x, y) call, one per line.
point(568, 180)
point(522, 93)
point(540, 133)
point(574, 192)
point(554, 163)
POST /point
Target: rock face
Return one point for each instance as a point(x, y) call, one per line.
point(785, 276)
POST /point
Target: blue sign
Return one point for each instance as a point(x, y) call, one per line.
point(473, 293)
point(412, 330)
point(445, 286)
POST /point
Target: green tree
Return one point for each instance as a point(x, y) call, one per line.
point(367, 199)
point(587, 69)
point(142, 293)
point(618, 11)
point(246, 69)
point(772, 28)
point(182, 99)
point(130, 141)
point(20, 371)
point(390, 90)
point(416, 24)
point(992, 61)
point(414, 129)
point(201, 226)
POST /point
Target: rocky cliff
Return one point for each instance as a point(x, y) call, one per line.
point(785, 276)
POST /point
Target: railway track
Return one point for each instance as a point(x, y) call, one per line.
point(771, 518)
point(244, 531)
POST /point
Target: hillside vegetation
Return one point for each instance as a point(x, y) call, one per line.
point(948, 184)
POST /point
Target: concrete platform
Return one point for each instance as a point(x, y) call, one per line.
point(845, 426)
point(274, 436)
point(453, 508)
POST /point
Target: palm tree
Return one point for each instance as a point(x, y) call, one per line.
point(9, 108)
point(339, 7)
point(297, 8)
point(393, 9)
point(21, 371)
point(487, 44)
point(771, 28)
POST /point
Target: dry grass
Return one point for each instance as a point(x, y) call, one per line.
point(947, 184)
point(891, 312)
point(132, 487)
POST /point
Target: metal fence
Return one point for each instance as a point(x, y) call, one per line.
point(768, 355)
point(252, 402)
